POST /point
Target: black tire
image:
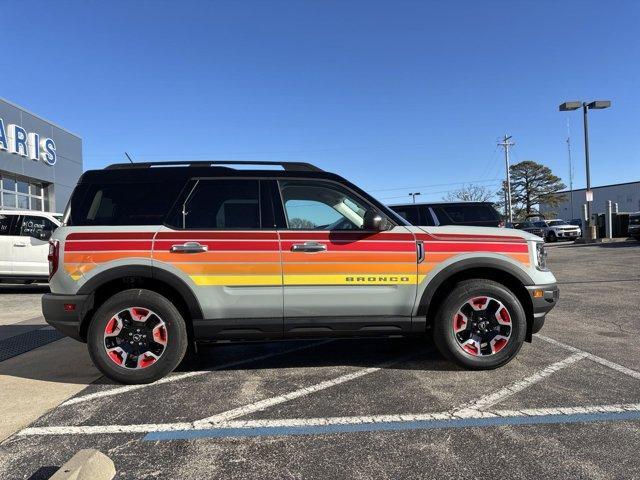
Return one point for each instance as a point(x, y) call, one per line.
point(551, 237)
point(445, 337)
point(174, 350)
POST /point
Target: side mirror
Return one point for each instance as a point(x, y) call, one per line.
point(374, 221)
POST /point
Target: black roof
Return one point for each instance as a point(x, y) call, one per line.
point(290, 166)
point(183, 171)
point(165, 171)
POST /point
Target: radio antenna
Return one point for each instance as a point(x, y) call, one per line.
point(128, 157)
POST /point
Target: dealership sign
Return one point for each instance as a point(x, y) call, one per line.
point(16, 139)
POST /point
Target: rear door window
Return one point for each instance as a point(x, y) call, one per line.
point(218, 205)
point(123, 203)
point(36, 227)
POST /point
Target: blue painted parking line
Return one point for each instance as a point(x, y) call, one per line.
point(392, 426)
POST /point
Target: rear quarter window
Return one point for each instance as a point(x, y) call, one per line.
point(122, 203)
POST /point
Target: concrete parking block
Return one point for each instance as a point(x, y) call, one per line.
point(88, 464)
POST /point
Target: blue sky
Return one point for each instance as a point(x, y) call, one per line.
point(396, 95)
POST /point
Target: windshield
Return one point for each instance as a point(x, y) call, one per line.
point(554, 223)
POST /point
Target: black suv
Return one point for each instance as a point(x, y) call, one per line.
point(471, 214)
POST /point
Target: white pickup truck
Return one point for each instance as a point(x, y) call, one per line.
point(24, 244)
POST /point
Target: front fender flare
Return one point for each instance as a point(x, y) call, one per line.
point(468, 264)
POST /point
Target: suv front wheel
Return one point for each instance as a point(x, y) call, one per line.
point(137, 336)
point(481, 325)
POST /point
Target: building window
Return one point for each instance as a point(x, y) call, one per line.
point(21, 194)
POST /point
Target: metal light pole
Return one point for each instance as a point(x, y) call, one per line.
point(597, 105)
point(413, 195)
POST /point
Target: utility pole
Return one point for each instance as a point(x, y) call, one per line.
point(570, 168)
point(506, 144)
point(413, 195)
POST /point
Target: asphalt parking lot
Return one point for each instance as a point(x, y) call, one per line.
point(567, 407)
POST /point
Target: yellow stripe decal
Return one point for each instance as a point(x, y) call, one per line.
point(354, 279)
point(275, 280)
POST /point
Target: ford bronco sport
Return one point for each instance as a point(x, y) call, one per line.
point(152, 258)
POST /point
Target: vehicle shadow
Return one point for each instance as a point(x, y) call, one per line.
point(389, 354)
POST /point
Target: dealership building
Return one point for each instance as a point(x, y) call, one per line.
point(625, 195)
point(40, 162)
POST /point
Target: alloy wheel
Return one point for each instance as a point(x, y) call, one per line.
point(482, 326)
point(135, 338)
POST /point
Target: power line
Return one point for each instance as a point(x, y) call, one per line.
point(432, 185)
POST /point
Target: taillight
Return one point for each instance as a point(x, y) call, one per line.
point(54, 249)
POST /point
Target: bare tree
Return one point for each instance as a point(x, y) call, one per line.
point(469, 193)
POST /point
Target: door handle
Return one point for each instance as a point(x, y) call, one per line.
point(19, 244)
point(189, 247)
point(309, 247)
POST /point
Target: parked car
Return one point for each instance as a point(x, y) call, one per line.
point(227, 254)
point(471, 214)
point(24, 244)
point(634, 225)
point(558, 229)
point(530, 228)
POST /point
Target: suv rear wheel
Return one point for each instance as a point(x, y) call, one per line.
point(137, 336)
point(481, 325)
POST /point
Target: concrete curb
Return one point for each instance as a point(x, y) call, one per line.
point(88, 464)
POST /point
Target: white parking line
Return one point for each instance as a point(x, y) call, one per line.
point(602, 361)
point(302, 422)
point(518, 386)
point(182, 376)
point(477, 409)
point(301, 392)
point(270, 402)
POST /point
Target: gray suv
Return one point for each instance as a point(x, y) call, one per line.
point(151, 260)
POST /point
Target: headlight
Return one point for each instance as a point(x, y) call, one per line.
point(541, 256)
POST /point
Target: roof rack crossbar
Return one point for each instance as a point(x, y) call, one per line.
point(291, 166)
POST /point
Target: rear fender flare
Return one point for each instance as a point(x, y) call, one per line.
point(151, 273)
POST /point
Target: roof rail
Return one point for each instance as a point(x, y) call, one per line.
point(290, 166)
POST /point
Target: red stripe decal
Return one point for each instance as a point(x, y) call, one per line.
point(345, 236)
point(359, 246)
point(473, 238)
point(216, 235)
point(476, 247)
point(222, 245)
point(96, 246)
point(111, 236)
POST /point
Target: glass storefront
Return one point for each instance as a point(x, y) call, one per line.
point(20, 194)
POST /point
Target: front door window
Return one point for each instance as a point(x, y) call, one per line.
point(321, 206)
